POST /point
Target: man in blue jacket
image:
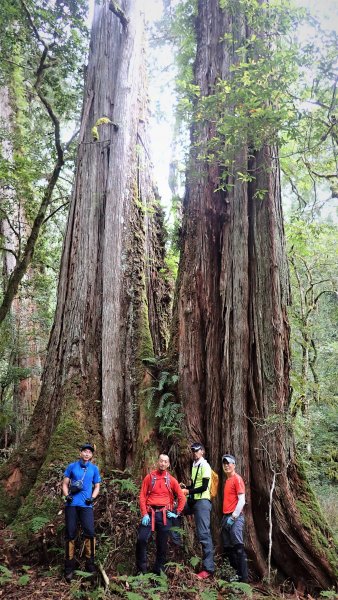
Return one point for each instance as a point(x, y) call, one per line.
point(81, 485)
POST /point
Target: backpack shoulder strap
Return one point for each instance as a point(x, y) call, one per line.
point(152, 481)
point(168, 481)
point(198, 467)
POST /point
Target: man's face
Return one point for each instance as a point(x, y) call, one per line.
point(163, 462)
point(86, 454)
point(229, 468)
point(197, 454)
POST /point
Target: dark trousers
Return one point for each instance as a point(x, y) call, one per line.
point(143, 536)
point(79, 514)
point(234, 547)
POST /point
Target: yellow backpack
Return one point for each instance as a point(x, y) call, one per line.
point(213, 484)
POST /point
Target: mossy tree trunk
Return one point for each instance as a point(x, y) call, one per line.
point(232, 334)
point(102, 326)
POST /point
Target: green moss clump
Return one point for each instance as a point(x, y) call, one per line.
point(314, 521)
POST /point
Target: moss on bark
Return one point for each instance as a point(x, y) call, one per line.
point(40, 498)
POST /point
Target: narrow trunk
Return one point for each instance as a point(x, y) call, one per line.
point(232, 333)
point(14, 229)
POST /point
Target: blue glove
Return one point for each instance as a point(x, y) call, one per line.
point(229, 523)
point(171, 515)
point(146, 520)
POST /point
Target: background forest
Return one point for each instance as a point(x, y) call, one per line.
point(283, 92)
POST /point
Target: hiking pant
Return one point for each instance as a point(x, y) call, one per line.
point(76, 514)
point(233, 545)
point(84, 516)
point(143, 536)
point(201, 509)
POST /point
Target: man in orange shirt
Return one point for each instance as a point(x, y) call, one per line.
point(233, 518)
point(157, 495)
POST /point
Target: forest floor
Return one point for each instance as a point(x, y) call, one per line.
point(36, 571)
point(34, 583)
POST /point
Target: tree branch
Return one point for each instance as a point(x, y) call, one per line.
point(21, 266)
point(31, 22)
point(327, 176)
point(55, 211)
point(9, 223)
point(115, 8)
point(9, 250)
point(56, 124)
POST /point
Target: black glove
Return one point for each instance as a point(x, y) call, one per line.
point(89, 501)
point(69, 499)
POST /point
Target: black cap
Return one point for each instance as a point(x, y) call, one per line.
point(229, 459)
point(87, 447)
point(196, 446)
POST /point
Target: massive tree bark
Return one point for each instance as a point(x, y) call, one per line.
point(231, 329)
point(102, 326)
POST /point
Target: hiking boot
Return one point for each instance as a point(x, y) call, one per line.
point(69, 576)
point(69, 569)
point(90, 566)
point(204, 575)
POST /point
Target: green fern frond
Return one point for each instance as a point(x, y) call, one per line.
point(164, 377)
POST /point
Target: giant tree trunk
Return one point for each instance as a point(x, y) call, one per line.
point(232, 333)
point(101, 329)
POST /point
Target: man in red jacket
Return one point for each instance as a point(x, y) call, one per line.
point(157, 495)
point(233, 518)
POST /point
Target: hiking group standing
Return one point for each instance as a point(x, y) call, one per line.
point(156, 502)
point(162, 502)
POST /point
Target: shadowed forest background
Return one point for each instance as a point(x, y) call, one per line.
point(142, 324)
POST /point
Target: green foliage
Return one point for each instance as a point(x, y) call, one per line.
point(331, 594)
point(235, 589)
point(151, 585)
point(84, 574)
point(159, 398)
point(209, 595)
point(127, 485)
point(23, 580)
point(253, 104)
point(5, 575)
point(194, 560)
point(308, 158)
point(278, 87)
point(313, 258)
point(38, 523)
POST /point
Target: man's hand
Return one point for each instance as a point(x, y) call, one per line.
point(69, 499)
point(89, 501)
point(185, 492)
point(171, 515)
point(146, 520)
point(229, 523)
